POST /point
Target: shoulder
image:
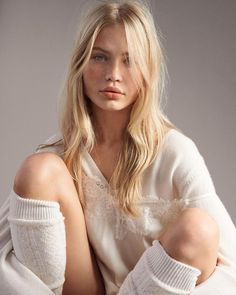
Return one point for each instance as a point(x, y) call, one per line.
point(181, 167)
point(177, 143)
point(185, 161)
point(179, 149)
point(180, 155)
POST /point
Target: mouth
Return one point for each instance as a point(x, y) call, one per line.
point(113, 90)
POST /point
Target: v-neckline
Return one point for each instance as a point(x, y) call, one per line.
point(95, 168)
point(97, 172)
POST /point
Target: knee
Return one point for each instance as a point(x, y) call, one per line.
point(193, 237)
point(37, 174)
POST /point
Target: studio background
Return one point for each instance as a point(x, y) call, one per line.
point(199, 38)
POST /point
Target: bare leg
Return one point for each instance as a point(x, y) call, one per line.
point(194, 240)
point(45, 176)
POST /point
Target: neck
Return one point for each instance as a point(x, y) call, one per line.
point(110, 126)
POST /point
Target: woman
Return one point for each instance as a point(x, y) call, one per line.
point(119, 177)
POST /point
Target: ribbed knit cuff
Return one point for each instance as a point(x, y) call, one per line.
point(156, 267)
point(31, 209)
point(170, 271)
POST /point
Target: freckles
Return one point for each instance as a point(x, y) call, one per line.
point(93, 73)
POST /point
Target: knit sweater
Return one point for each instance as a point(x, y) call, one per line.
point(129, 257)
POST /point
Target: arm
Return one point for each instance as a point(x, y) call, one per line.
point(193, 183)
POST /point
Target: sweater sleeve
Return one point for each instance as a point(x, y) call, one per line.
point(194, 184)
point(38, 237)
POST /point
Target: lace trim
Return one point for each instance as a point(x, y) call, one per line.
point(155, 212)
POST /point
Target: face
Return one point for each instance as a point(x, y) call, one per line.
point(107, 78)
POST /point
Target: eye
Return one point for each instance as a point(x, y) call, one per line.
point(99, 57)
point(127, 61)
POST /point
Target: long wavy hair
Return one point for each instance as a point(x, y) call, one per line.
point(148, 123)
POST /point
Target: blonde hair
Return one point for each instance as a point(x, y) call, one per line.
point(147, 125)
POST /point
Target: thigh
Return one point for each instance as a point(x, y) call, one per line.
point(45, 176)
point(82, 274)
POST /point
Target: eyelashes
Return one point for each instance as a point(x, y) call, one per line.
point(127, 60)
point(99, 57)
point(103, 58)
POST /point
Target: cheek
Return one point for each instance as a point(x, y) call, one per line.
point(91, 78)
point(136, 85)
point(92, 74)
point(88, 77)
point(133, 88)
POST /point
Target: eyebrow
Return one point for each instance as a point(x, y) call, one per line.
point(106, 51)
point(101, 49)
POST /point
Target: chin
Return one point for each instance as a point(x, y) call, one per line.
point(112, 106)
point(113, 109)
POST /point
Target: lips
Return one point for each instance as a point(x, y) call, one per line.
point(113, 90)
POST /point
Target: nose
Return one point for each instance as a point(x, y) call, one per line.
point(113, 72)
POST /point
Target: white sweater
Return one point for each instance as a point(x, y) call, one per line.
point(177, 179)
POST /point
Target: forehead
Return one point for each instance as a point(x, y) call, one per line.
point(112, 38)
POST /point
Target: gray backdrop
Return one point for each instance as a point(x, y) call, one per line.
point(199, 36)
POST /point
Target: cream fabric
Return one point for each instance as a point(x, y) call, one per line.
point(177, 179)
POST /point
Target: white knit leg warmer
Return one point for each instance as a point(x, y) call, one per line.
point(157, 273)
point(38, 237)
